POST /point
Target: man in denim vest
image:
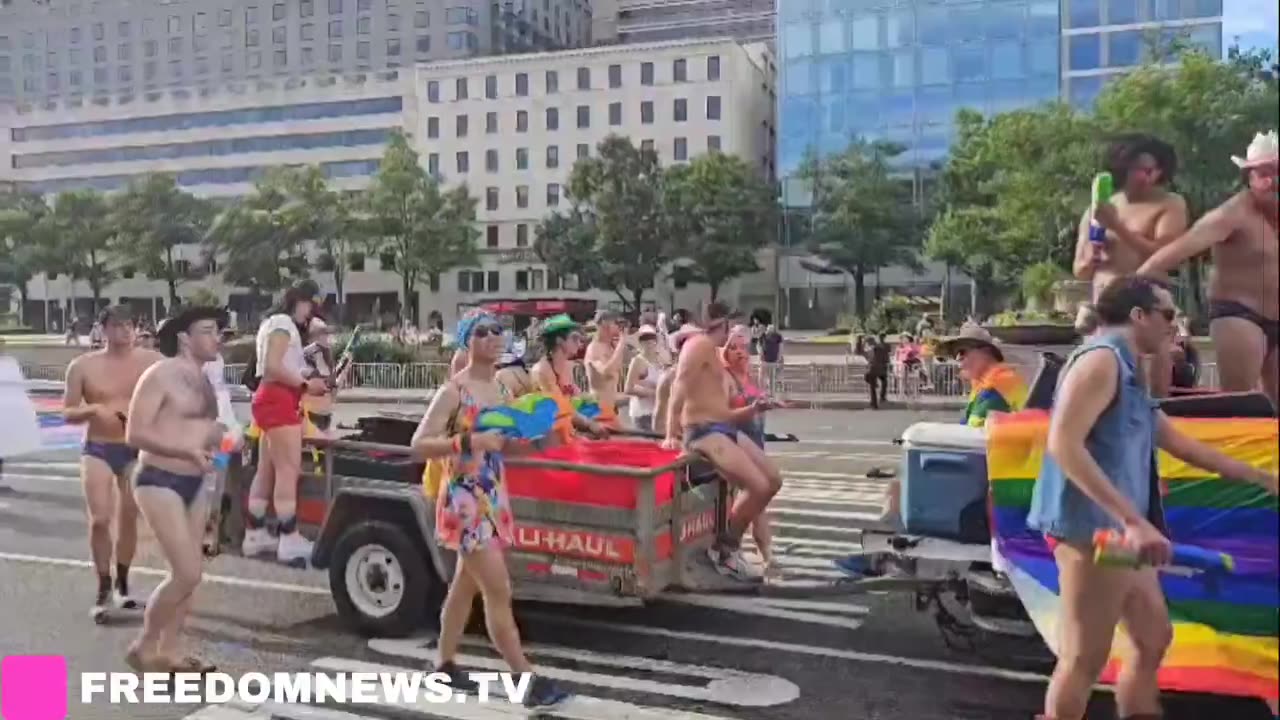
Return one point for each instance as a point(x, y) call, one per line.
point(1099, 473)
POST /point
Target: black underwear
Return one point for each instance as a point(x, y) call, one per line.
point(186, 486)
point(1230, 308)
point(117, 456)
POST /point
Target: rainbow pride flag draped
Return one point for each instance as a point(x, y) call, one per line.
point(1225, 626)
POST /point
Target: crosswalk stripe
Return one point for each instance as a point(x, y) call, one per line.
point(813, 612)
point(726, 687)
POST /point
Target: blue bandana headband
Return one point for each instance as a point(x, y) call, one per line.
point(469, 321)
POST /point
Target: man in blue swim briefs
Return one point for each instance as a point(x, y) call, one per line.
point(173, 421)
point(97, 391)
point(700, 419)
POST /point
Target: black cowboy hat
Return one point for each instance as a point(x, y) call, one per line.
point(167, 331)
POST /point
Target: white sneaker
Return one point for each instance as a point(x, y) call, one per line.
point(99, 612)
point(735, 565)
point(294, 549)
point(257, 542)
point(124, 602)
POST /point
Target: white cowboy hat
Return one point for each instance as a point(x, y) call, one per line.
point(971, 336)
point(1263, 150)
point(647, 331)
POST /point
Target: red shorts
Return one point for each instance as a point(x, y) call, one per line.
point(275, 405)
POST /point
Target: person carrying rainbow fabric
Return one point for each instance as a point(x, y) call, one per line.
point(563, 341)
point(996, 386)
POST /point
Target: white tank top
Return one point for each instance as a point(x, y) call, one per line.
point(293, 357)
point(644, 406)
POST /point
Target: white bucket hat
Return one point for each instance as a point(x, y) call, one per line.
point(1263, 150)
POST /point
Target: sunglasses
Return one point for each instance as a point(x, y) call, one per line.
point(485, 331)
point(1169, 314)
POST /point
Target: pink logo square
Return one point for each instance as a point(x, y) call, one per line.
point(33, 687)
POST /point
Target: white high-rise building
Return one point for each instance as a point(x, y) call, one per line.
point(631, 21)
point(509, 127)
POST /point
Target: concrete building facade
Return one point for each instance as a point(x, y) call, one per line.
point(509, 127)
point(88, 50)
point(648, 20)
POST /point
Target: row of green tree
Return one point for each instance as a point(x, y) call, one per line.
point(628, 220)
point(1006, 205)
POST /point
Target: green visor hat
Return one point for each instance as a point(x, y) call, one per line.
point(558, 324)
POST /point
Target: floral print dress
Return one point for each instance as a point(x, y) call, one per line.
point(472, 508)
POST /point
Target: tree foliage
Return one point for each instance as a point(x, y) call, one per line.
point(260, 239)
point(723, 213)
point(24, 232)
point(405, 214)
point(618, 232)
point(863, 216)
point(152, 219)
point(324, 217)
point(81, 235)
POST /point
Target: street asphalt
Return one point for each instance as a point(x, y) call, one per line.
point(692, 657)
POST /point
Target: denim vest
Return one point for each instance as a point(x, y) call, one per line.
point(1122, 442)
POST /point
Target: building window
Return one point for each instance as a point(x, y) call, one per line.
point(363, 25)
point(433, 164)
point(713, 143)
point(281, 58)
point(713, 67)
point(615, 113)
point(522, 235)
point(584, 116)
point(421, 19)
point(423, 44)
point(584, 151)
point(553, 156)
point(680, 71)
point(461, 126)
point(491, 236)
point(553, 195)
point(647, 146)
point(1085, 52)
point(433, 91)
point(553, 82)
point(393, 23)
point(433, 127)
point(681, 110)
point(681, 149)
point(365, 5)
point(335, 7)
point(307, 31)
point(460, 89)
point(584, 78)
point(393, 47)
point(615, 76)
point(491, 123)
point(464, 162)
point(277, 11)
point(335, 28)
point(491, 198)
point(553, 118)
point(1124, 48)
point(713, 107)
point(646, 73)
point(522, 158)
point(122, 52)
point(522, 84)
point(522, 196)
point(362, 50)
point(306, 8)
point(491, 160)
point(335, 53)
point(150, 48)
point(493, 281)
point(522, 121)
point(491, 87)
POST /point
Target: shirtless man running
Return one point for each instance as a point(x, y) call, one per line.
point(97, 391)
point(700, 419)
point(604, 359)
point(1142, 217)
point(173, 421)
point(1244, 288)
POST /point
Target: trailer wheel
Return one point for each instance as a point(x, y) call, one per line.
point(379, 579)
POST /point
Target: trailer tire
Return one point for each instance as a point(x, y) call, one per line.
point(379, 579)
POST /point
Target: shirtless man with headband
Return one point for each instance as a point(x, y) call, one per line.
point(1142, 217)
point(1244, 288)
point(97, 391)
point(701, 420)
point(604, 360)
point(173, 421)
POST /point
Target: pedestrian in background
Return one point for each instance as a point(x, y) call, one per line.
point(771, 358)
point(877, 376)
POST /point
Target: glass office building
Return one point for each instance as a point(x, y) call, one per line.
point(900, 69)
point(1104, 38)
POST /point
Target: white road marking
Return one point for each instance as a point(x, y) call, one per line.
point(814, 612)
point(832, 529)
point(216, 579)
point(51, 478)
point(73, 468)
point(784, 507)
point(578, 707)
point(794, 648)
point(723, 686)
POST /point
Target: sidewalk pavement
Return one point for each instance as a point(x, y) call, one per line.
point(797, 401)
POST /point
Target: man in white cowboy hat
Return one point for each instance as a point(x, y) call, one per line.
point(1244, 289)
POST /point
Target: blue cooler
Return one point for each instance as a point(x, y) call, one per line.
point(944, 482)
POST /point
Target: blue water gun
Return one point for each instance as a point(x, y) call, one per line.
point(1109, 549)
point(529, 417)
point(586, 406)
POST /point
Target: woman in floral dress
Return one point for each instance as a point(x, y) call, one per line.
point(473, 513)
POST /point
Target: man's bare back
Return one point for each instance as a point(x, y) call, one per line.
point(1150, 224)
point(107, 379)
point(1246, 266)
point(700, 381)
point(188, 409)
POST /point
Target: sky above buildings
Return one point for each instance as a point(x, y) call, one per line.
point(1254, 22)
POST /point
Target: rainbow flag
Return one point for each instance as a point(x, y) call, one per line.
point(1225, 626)
point(55, 432)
